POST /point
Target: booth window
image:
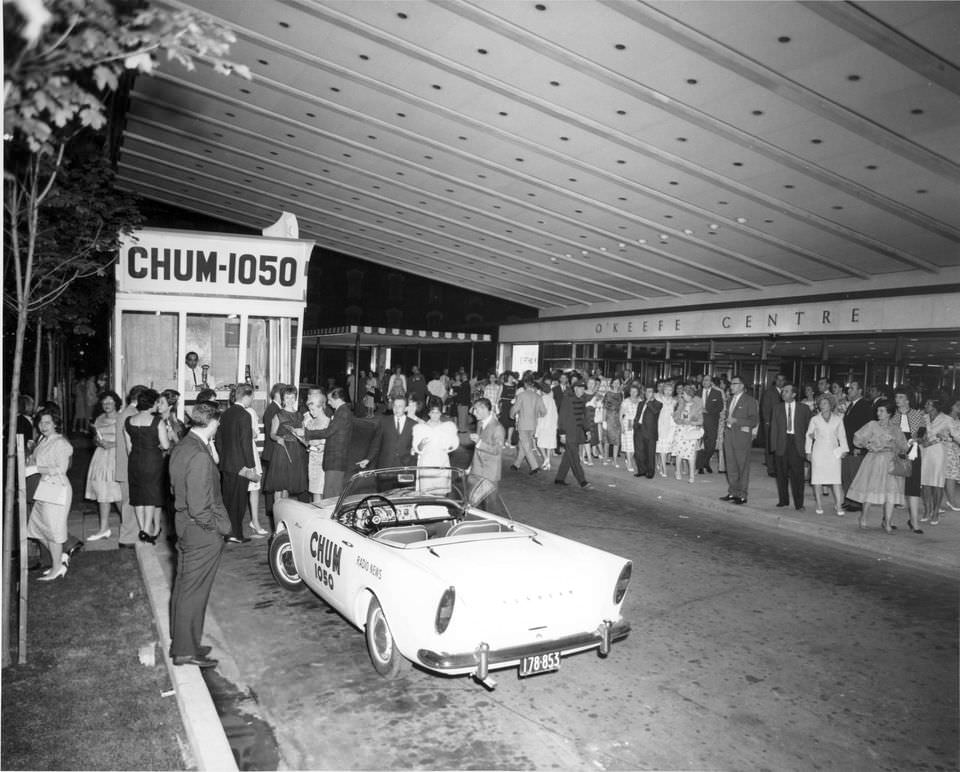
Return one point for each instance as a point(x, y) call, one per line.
point(149, 349)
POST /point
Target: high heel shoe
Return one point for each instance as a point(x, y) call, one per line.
point(861, 523)
point(913, 527)
point(955, 509)
point(153, 539)
point(144, 536)
point(258, 531)
point(885, 524)
point(100, 535)
point(62, 571)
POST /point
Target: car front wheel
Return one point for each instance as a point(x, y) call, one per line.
point(281, 563)
point(386, 658)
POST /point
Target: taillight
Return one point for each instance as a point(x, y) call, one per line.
point(445, 609)
point(620, 589)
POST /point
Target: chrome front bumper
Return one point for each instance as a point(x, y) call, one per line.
point(484, 659)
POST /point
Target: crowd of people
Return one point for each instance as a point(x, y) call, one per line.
point(208, 475)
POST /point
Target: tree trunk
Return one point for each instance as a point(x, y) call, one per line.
point(9, 489)
point(37, 368)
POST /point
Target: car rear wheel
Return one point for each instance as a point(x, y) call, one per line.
point(281, 563)
point(386, 658)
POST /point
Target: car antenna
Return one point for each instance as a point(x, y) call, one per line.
point(534, 540)
point(433, 552)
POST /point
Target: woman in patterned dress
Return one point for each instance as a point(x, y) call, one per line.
point(688, 431)
point(951, 470)
point(628, 414)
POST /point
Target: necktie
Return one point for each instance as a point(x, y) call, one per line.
point(789, 418)
point(398, 426)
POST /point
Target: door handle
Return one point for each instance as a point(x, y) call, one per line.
point(346, 543)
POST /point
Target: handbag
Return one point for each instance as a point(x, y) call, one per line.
point(51, 492)
point(900, 467)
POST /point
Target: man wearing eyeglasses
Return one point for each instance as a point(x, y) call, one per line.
point(743, 417)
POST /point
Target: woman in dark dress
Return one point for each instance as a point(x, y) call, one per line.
point(146, 437)
point(287, 473)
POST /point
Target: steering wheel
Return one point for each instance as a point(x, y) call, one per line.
point(367, 503)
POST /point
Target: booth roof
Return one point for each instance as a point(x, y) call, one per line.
point(387, 336)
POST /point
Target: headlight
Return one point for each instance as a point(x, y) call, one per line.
point(445, 609)
point(620, 589)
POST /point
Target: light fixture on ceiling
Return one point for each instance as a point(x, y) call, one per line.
point(688, 231)
point(741, 220)
point(714, 227)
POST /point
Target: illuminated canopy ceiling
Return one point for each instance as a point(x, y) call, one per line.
point(579, 154)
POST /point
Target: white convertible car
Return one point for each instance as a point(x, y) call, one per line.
point(407, 556)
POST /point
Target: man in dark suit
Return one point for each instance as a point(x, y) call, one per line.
point(769, 401)
point(788, 432)
point(860, 411)
point(570, 423)
point(646, 430)
point(712, 408)
point(201, 522)
point(392, 442)
point(237, 465)
point(486, 468)
point(336, 451)
point(743, 417)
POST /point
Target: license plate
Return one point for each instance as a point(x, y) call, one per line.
point(540, 663)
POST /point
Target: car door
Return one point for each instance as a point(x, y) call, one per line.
point(329, 557)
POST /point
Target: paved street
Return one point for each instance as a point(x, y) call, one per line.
point(750, 648)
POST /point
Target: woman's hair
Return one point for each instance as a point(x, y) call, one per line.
point(287, 390)
point(172, 396)
point(117, 403)
point(829, 398)
point(936, 402)
point(55, 416)
point(147, 399)
point(276, 389)
point(887, 405)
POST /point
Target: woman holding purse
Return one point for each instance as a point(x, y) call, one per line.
point(874, 483)
point(54, 494)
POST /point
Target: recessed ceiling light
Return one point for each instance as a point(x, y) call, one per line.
point(853, 78)
point(692, 81)
point(714, 227)
point(783, 39)
point(641, 241)
point(741, 220)
point(620, 47)
point(688, 231)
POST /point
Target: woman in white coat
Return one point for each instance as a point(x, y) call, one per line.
point(546, 433)
point(826, 444)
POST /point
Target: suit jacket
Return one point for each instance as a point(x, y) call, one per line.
point(649, 427)
point(768, 402)
point(527, 409)
point(269, 412)
point(389, 448)
point(486, 455)
point(569, 421)
point(196, 488)
point(858, 415)
point(747, 415)
point(713, 405)
point(336, 451)
point(778, 428)
point(234, 440)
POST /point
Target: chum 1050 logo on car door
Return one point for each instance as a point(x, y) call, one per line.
point(326, 555)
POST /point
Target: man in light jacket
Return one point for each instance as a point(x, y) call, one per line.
point(527, 410)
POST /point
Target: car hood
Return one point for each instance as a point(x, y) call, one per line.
point(529, 580)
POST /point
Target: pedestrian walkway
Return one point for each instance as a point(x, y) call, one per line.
point(937, 549)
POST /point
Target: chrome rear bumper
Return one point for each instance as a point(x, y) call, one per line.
point(483, 658)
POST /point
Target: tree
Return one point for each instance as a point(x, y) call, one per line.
point(63, 60)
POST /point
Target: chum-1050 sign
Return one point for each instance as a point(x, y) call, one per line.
point(181, 262)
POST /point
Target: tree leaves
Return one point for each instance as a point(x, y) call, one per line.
point(56, 82)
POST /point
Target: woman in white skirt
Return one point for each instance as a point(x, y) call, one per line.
point(318, 419)
point(826, 444)
point(48, 518)
point(102, 485)
point(546, 432)
point(253, 488)
point(665, 425)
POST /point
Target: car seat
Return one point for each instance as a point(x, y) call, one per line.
point(403, 534)
point(469, 527)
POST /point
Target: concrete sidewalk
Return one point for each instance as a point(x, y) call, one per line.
point(936, 549)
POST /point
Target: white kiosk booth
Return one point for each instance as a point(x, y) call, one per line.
point(235, 302)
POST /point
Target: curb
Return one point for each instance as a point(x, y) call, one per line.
point(208, 742)
point(915, 555)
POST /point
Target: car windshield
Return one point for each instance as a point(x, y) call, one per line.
point(408, 483)
point(383, 498)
